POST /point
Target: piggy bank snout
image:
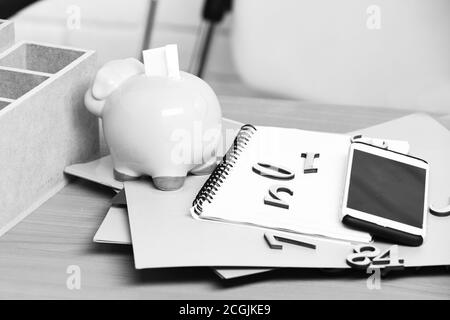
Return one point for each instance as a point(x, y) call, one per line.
point(110, 77)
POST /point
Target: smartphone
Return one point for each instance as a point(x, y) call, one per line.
point(386, 194)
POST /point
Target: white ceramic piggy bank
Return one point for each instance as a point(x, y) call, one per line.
point(156, 126)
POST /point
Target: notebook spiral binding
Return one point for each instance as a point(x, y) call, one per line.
point(217, 177)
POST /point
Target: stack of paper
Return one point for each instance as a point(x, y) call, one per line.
point(164, 234)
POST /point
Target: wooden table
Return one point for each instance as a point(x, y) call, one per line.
point(35, 255)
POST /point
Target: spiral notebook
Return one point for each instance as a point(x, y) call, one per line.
point(283, 179)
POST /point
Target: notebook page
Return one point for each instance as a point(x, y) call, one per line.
point(315, 204)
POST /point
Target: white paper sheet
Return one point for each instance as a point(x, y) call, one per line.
point(315, 203)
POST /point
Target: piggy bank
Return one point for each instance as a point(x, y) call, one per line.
point(156, 126)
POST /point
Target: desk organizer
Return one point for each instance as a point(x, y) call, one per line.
point(44, 125)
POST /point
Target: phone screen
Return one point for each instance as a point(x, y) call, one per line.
point(387, 188)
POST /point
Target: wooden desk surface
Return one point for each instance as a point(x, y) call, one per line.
point(34, 255)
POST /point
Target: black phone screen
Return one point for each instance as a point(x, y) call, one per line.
point(387, 188)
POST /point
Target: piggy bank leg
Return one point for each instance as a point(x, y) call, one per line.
point(168, 183)
point(125, 175)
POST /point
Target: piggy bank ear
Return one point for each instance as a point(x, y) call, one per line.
point(113, 74)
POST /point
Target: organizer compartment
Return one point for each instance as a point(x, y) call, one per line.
point(41, 58)
point(3, 104)
point(14, 84)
